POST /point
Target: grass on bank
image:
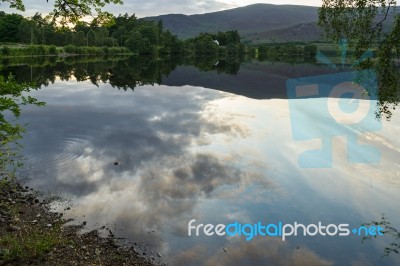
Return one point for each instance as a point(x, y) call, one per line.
point(30, 242)
point(27, 246)
point(52, 50)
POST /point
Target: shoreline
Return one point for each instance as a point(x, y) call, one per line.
point(30, 234)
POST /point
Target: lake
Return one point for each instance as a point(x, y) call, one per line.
point(146, 147)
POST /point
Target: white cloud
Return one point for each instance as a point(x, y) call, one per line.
point(159, 7)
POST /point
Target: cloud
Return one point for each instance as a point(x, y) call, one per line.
point(161, 7)
point(138, 7)
point(154, 8)
point(161, 137)
point(259, 251)
point(170, 171)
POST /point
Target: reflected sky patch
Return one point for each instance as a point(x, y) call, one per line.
point(193, 153)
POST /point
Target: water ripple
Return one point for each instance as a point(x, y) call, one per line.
point(40, 155)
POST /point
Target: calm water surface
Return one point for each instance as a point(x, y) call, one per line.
point(195, 147)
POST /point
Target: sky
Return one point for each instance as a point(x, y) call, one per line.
point(159, 7)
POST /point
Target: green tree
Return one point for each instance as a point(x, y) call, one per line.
point(49, 34)
point(11, 99)
point(101, 35)
point(151, 33)
point(91, 38)
point(9, 24)
point(310, 50)
point(69, 37)
point(177, 46)
point(232, 37)
point(39, 20)
point(130, 22)
point(110, 42)
point(160, 27)
point(369, 25)
point(27, 32)
point(71, 11)
point(205, 44)
point(360, 22)
point(12, 93)
point(121, 35)
point(82, 26)
point(80, 39)
point(135, 42)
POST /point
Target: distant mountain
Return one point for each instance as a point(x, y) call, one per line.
point(252, 22)
point(303, 32)
point(256, 23)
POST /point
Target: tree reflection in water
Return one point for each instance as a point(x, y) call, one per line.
point(390, 231)
point(121, 72)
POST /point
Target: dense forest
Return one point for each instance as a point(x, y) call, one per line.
point(125, 34)
point(138, 35)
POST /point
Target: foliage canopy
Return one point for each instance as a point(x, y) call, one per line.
point(369, 25)
point(71, 11)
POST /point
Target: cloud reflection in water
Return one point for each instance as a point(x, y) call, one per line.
point(163, 138)
point(188, 152)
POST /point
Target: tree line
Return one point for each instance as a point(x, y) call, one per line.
point(289, 49)
point(140, 36)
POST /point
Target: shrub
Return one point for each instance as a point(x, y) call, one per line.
point(53, 50)
point(41, 50)
point(80, 50)
point(71, 49)
point(5, 51)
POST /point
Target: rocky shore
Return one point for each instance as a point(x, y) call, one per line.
point(30, 234)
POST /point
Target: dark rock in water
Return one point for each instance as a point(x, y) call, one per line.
point(117, 163)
